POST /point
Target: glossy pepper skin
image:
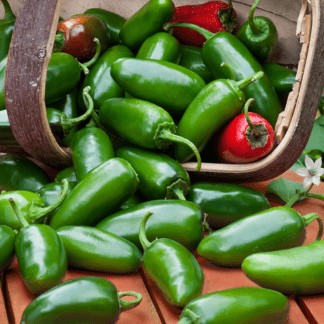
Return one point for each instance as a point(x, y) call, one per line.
point(6, 28)
point(102, 85)
point(215, 105)
point(142, 123)
point(274, 229)
point(95, 298)
point(160, 46)
point(90, 147)
point(133, 200)
point(190, 58)
point(97, 250)
point(178, 220)
point(296, 271)
point(160, 176)
point(113, 21)
point(75, 36)
point(41, 256)
point(100, 192)
point(225, 203)
point(7, 247)
point(247, 138)
point(260, 306)
point(20, 173)
point(63, 75)
point(259, 35)
point(68, 174)
point(280, 77)
point(225, 47)
point(165, 84)
point(172, 267)
point(30, 204)
point(215, 16)
point(51, 192)
point(147, 21)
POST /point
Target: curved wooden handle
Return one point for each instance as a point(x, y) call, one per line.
point(28, 58)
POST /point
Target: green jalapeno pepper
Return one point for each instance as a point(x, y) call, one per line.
point(51, 192)
point(6, 28)
point(142, 123)
point(160, 176)
point(68, 174)
point(148, 20)
point(244, 305)
point(258, 34)
point(160, 46)
point(30, 204)
point(90, 147)
point(41, 256)
point(7, 247)
point(165, 84)
point(113, 21)
point(274, 229)
point(178, 220)
point(133, 200)
point(217, 103)
point(224, 203)
point(296, 271)
point(102, 190)
point(20, 173)
point(280, 77)
point(95, 299)
point(102, 85)
point(190, 58)
point(97, 250)
point(172, 267)
point(225, 47)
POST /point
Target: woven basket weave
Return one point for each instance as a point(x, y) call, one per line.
point(301, 46)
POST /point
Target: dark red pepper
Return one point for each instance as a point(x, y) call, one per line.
point(247, 138)
point(215, 16)
point(76, 34)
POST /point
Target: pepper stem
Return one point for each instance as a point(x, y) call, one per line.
point(242, 84)
point(255, 29)
point(36, 212)
point(165, 133)
point(68, 123)
point(9, 15)
point(189, 317)
point(125, 305)
point(16, 210)
point(229, 70)
point(309, 218)
point(177, 190)
point(97, 54)
point(142, 235)
point(247, 117)
point(202, 31)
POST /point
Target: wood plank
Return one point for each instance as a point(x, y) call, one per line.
point(3, 311)
point(19, 296)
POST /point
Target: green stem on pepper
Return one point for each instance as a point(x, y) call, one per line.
point(16, 210)
point(142, 236)
point(9, 15)
point(309, 218)
point(68, 123)
point(97, 54)
point(129, 304)
point(255, 29)
point(229, 70)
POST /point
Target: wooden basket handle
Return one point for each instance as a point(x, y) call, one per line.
point(30, 51)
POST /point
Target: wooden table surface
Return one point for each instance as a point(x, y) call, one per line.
point(154, 309)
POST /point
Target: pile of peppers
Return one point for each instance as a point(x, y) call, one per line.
point(132, 104)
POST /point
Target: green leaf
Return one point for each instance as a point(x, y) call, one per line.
point(316, 140)
point(285, 189)
point(299, 164)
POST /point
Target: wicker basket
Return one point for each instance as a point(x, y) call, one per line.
point(301, 44)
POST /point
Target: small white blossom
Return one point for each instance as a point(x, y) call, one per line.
point(312, 172)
